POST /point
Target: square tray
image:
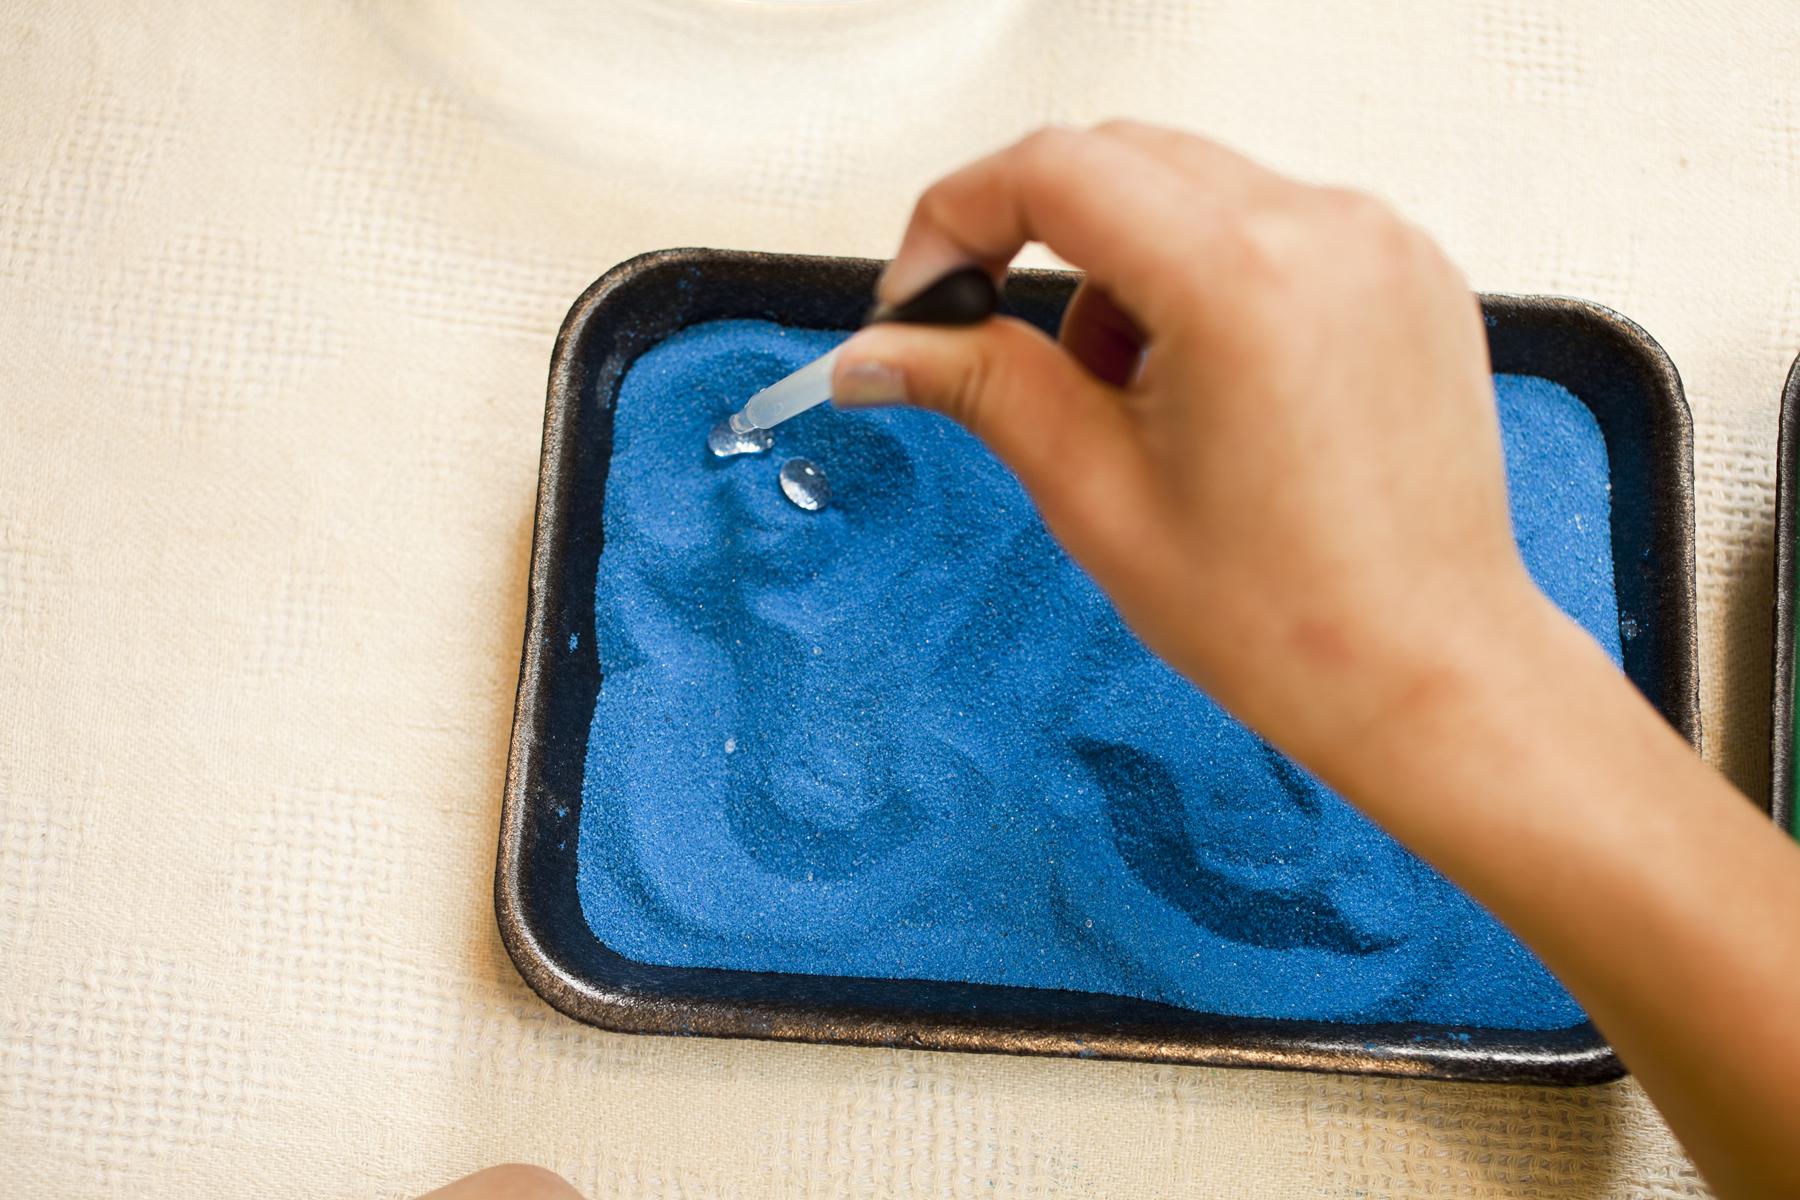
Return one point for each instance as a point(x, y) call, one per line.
point(1610, 363)
point(1787, 495)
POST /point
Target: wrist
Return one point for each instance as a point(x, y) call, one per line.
point(1520, 758)
point(1481, 695)
point(1407, 687)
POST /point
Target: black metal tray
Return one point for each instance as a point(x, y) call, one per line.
point(1787, 495)
point(1610, 363)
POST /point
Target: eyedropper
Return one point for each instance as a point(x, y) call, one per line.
point(966, 296)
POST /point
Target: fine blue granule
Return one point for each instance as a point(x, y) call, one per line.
point(908, 738)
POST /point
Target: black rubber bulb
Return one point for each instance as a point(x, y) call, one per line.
point(966, 296)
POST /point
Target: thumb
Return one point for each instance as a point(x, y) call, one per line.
point(1067, 435)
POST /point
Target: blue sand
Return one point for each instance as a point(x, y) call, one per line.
point(907, 738)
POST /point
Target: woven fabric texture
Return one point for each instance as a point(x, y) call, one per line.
point(280, 284)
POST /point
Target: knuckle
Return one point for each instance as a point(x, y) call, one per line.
point(933, 201)
point(1384, 242)
point(1045, 148)
point(1232, 245)
point(524, 1181)
point(1046, 136)
point(1400, 249)
point(1353, 204)
point(1120, 127)
point(1261, 245)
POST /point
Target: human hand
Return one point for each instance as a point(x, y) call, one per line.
point(1269, 433)
point(1268, 430)
point(508, 1181)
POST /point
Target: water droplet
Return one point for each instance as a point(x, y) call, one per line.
point(724, 442)
point(730, 745)
point(805, 485)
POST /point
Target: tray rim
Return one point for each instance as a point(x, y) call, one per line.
point(1782, 670)
point(1577, 1056)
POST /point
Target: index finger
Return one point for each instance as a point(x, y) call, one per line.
point(1103, 204)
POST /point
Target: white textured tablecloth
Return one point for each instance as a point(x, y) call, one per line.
point(278, 286)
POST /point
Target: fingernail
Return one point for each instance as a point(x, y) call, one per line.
point(869, 383)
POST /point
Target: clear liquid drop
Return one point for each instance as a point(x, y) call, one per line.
point(726, 442)
point(805, 485)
